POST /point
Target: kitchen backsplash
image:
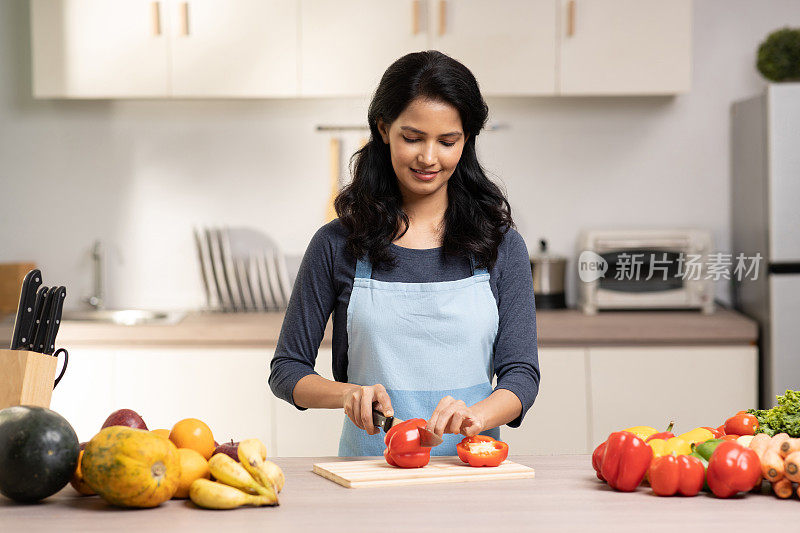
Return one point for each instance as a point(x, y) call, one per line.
point(140, 174)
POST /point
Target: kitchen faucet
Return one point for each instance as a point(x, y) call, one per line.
point(96, 300)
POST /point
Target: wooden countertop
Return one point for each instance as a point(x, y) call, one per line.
point(564, 496)
point(567, 327)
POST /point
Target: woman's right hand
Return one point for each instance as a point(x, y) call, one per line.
point(358, 403)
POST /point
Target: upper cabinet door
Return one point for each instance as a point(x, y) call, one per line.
point(235, 48)
point(615, 47)
point(348, 44)
point(509, 45)
point(98, 48)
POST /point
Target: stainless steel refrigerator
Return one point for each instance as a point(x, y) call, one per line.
point(765, 166)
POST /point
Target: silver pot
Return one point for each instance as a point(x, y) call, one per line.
point(548, 278)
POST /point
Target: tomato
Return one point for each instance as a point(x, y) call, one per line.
point(741, 424)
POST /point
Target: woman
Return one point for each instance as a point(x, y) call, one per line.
point(429, 284)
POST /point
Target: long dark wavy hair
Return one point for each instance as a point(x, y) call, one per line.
point(370, 207)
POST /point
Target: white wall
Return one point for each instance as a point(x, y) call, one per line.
point(140, 174)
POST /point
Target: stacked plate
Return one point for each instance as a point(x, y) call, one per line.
point(243, 270)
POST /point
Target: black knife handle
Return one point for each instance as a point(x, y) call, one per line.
point(23, 325)
point(38, 305)
point(42, 322)
point(382, 421)
point(55, 320)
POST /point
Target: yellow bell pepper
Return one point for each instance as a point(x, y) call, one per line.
point(674, 446)
point(696, 435)
point(642, 431)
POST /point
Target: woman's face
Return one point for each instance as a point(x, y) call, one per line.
point(425, 141)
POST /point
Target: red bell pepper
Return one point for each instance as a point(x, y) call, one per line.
point(403, 445)
point(597, 460)
point(682, 474)
point(667, 434)
point(721, 430)
point(741, 424)
point(716, 432)
point(625, 461)
point(733, 468)
point(482, 450)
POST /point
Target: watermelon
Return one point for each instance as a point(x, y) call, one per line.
point(38, 452)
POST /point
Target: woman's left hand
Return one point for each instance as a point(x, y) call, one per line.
point(454, 416)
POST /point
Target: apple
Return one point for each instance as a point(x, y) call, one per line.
point(125, 417)
point(231, 449)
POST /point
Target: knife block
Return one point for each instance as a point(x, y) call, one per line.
point(27, 378)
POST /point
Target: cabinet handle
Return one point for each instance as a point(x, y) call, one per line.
point(415, 17)
point(442, 16)
point(571, 18)
point(155, 11)
point(185, 19)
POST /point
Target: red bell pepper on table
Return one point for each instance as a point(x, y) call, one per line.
point(732, 468)
point(403, 445)
point(625, 461)
point(681, 474)
point(482, 450)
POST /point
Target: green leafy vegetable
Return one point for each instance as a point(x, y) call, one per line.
point(783, 418)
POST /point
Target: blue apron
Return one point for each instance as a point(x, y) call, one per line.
point(422, 342)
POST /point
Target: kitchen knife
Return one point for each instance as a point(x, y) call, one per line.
point(23, 324)
point(40, 331)
point(41, 294)
point(54, 321)
point(426, 438)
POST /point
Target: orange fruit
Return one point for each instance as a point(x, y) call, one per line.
point(193, 466)
point(193, 434)
point(161, 433)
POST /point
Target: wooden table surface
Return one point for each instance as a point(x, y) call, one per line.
point(564, 496)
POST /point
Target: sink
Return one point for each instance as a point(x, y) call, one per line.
point(126, 317)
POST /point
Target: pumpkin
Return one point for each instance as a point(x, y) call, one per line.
point(131, 467)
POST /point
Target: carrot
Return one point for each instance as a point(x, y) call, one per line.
point(792, 466)
point(759, 443)
point(776, 441)
point(782, 488)
point(772, 466)
point(789, 446)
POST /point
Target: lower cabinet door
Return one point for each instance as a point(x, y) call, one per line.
point(309, 433)
point(557, 423)
point(85, 396)
point(649, 386)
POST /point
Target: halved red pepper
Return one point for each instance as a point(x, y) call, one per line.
point(625, 461)
point(682, 474)
point(403, 445)
point(482, 450)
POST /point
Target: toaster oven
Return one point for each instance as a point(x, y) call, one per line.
point(644, 269)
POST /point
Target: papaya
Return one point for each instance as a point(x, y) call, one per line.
point(131, 467)
point(78, 482)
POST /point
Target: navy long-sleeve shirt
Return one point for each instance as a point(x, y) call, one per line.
point(325, 281)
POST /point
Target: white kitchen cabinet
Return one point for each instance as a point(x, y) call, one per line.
point(347, 45)
point(510, 45)
point(615, 47)
point(143, 48)
point(236, 48)
point(309, 433)
point(558, 422)
point(649, 386)
point(98, 48)
point(85, 396)
point(225, 388)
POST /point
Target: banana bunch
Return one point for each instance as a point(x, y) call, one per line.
point(252, 481)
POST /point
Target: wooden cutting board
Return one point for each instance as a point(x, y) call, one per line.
point(378, 473)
